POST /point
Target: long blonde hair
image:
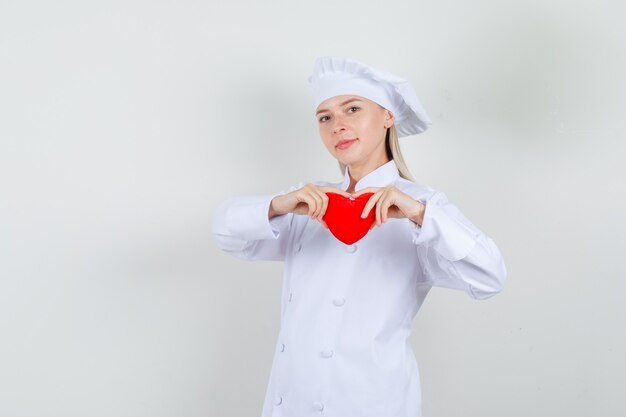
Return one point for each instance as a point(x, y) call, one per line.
point(393, 152)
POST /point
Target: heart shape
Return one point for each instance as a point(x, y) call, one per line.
point(343, 217)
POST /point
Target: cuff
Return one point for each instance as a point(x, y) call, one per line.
point(248, 218)
point(276, 223)
point(443, 232)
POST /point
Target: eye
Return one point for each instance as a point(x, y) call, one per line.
point(353, 107)
point(321, 119)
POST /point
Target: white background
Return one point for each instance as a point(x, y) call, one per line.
point(124, 123)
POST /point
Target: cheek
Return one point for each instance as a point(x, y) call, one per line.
point(374, 130)
point(373, 124)
point(326, 139)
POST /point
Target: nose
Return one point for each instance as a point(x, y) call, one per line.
point(338, 124)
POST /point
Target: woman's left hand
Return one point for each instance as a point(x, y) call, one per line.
point(391, 202)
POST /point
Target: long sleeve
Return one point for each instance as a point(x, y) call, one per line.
point(456, 254)
point(242, 228)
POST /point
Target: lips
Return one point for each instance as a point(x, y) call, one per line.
point(343, 142)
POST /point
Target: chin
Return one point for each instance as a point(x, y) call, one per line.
point(349, 161)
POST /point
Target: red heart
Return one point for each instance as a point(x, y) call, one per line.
point(343, 217)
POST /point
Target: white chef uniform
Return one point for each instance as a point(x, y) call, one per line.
point(346, 310)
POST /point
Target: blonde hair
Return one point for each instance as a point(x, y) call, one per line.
point(393, 152)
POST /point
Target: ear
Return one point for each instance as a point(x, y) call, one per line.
point(389, 118)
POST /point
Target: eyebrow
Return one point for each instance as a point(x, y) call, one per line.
point(341, 104)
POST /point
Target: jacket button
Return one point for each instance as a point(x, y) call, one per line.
point(289, 296)
point(351, 248)
point(339, 301)
point(318, 406)
point(327, 353)
point(297, 248)
point(282, 348)
point(278, 400)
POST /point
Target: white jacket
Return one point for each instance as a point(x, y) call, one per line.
point(346, 310)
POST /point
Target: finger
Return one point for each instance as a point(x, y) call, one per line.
point(318, 204)
point(381, 207)
point(370, 203)
point(310, 202)
point(324, 205)
point(384, 209)
point(302, 206)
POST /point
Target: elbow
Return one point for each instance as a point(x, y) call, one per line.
point(493, 274)
point(491, 284)
point(231, 245)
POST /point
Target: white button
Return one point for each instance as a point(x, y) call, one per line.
point(318, 406)
point(278, 400)
point(339, 301)
point(297, 247)
point(282, 348)
point(289, 296)
point(327, 353)
point(351, 248)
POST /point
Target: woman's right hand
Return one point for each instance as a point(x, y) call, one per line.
point(310, 199)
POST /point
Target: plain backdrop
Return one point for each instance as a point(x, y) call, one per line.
point(124, 123)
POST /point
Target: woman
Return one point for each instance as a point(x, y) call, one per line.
point(346, 309)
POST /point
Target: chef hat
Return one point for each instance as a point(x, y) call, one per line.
point(334, 76)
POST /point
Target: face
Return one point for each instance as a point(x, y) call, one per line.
point(357, 119)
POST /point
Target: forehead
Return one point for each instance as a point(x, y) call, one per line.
point(338, 101)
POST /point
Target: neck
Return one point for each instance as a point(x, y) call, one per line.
point(357, 171)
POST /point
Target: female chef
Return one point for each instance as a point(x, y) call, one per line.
point(343, 348)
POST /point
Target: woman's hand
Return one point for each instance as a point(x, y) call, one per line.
point(310, 199)
point(391, 202)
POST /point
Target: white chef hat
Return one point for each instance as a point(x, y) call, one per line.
point(334, 76)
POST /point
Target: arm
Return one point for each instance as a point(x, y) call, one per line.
point(454, 253)
point(243, 228)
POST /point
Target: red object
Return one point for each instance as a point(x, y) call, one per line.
point(343, 217)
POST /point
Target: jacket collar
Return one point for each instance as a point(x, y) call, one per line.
point(382, 176)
